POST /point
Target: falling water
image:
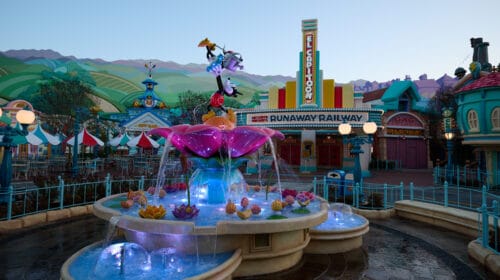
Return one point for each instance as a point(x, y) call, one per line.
point(113, 221)
point(160, 178)
point(259, 169)
point(276, 165)
point(228, 175)
point(197, 249)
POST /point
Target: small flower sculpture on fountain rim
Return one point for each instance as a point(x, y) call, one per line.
point(303, 199)
point(244, 202)
point(255, 209)
point(152, 212)
point(277, 205)
point(245, 214)
point(184, 212)
point(230, 207)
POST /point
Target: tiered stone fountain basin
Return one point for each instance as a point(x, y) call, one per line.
point(342, 232)
point(266, 246)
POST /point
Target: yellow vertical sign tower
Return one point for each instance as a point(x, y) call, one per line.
point(309, 63)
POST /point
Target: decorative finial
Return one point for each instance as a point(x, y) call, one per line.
point(150, 68)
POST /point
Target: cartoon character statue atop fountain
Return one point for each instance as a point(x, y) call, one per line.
point(226, 60)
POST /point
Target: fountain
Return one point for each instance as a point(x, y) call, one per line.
point(342, 232)
point(211, 226)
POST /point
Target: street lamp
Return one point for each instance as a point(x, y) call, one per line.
point(369, 128)
point(448, 135)
point(449, 145)
point(24, 117)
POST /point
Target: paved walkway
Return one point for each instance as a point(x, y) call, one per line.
point(419, 177)
point(393, 249)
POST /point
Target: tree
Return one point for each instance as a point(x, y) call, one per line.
point(444, 98)
point(193, 106)
point(60, 95)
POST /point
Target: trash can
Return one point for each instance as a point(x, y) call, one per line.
point(339, 177)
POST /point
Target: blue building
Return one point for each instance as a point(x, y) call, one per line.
point(146, 113)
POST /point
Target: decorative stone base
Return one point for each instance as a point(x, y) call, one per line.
point(336, 241)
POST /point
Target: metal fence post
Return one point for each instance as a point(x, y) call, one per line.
point(434, 175)
point(141, 183)
point(486, 176)
point(359, 193)
point(61, 192)
point(445, 193)
point(478, 174)
point(483, 195)
point(108, 184)
point(325, 189)
point(315, 191)
point(411, 191)
point(495, 223)
point(485, 233)
point(401, 191)
point(465, 175)
point(458, 176)
point(385, 196)
point(10, 192)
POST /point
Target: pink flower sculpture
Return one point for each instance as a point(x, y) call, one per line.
point(206, 140)
point(287, 192)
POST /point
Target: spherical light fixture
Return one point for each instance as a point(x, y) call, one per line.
point(345, 129)
point(370, 127)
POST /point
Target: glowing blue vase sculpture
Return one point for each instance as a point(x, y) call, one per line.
point(215, 182)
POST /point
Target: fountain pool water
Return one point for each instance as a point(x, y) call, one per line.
point(125, 260)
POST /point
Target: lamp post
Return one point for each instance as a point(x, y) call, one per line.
point(24, 117)
point(449, 135)
point(369, 128)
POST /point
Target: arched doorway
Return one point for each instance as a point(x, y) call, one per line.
point(405, 141)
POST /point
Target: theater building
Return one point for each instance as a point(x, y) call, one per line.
point(308, 112)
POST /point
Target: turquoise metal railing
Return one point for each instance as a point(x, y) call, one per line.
point(32, 200)
point(452, 196)
point(364, 195)
point(462, 176)
point(384, 196)
point(488, 226)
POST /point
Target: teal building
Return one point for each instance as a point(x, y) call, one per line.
point(478, 118)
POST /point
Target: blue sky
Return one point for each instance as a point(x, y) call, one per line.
point(367, 39)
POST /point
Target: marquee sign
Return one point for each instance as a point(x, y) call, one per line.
point(309, 68)
point(307, 118)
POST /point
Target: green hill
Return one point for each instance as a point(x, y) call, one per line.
point(120, 82)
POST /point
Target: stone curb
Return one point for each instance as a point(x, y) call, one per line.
point(375, 214)
point(44, 218)
point(484, 256)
